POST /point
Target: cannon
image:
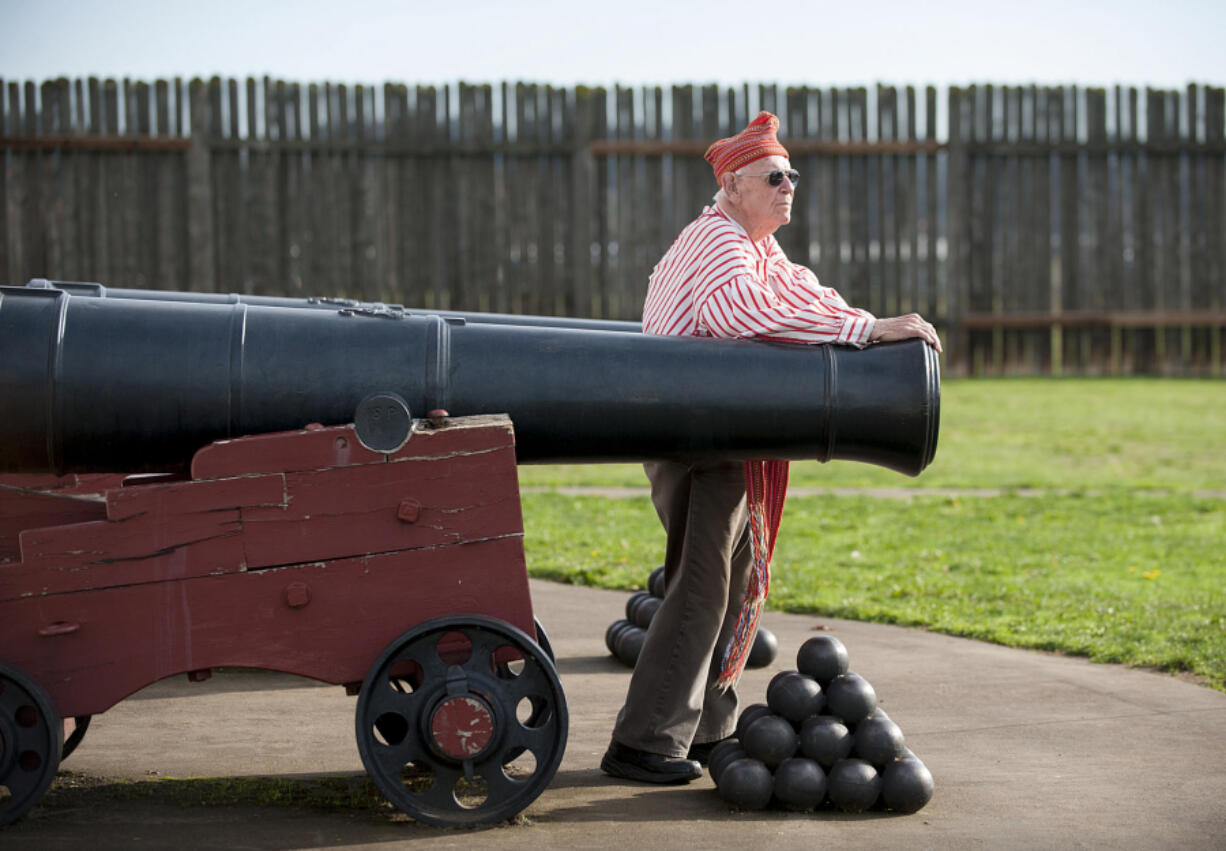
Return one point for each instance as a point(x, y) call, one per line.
point(138, 385)
point(189, 485)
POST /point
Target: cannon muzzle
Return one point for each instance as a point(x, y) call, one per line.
point(130, 385)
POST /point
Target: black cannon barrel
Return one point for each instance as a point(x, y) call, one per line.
point(89, 288)
point(130, 385)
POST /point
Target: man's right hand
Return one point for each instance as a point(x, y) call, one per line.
point(905, 328)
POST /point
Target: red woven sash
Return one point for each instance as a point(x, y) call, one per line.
point(766, 487)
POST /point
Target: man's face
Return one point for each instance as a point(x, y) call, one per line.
point(769, 205)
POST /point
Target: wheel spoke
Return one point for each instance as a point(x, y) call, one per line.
point(34, 739)
point(392, 758)
point(484, 645)
point(387, 699)
point(440, 797)
point(22, 782)
point(530, 683)
point(501, 787)
point(425, 655)
point(12, 699)
point(535, 739)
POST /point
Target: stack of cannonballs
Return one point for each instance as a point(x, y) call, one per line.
point(625, 636)
point(820, 737)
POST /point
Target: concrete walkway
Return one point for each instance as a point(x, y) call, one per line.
point(1028, 750)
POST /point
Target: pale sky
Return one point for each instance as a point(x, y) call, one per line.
point(1089, 42)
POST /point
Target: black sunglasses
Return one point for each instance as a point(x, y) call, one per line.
point(774, 178)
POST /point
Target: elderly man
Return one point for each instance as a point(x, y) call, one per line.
point(724, 276)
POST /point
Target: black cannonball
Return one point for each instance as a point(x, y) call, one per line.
point(826, 739)
point(610, 634)
point(770, 739)
point(853, 785)
point(823, 657)
point(633, 602)
point(630, 644)
point(746, 783)
point(800, 783)
point(722, 755)
point(764, 649)
point(878, 740)
point(614, 633)
point(646, 610)
point(850, 697)
point(618, 631)
point(795, 697)
point(655, 582)
point(906, 785)
point(748, 715)
point(780, 675)
point(618, 634)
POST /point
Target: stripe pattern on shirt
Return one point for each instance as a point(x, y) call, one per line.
point(716, 282)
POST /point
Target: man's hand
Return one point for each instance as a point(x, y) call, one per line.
point(905, 328)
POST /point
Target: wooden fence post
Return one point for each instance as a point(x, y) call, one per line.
point(201, 270)
point(957, 234)
point(583, 179)
point(7, 274)
point(1215, 183)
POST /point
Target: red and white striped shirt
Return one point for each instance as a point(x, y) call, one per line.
point(716, 282)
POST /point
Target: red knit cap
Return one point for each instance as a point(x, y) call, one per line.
point(753, 143)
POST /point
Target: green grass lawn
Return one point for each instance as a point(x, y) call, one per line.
point(1118, 558)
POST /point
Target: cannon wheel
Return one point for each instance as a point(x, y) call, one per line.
point(462, 721)
point(80, 725)
point(31, 736)
point(543, 640)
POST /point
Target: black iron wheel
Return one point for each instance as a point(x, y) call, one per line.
point(543, 640)
point(462, 721)
point(31, 736)
point(80, 725)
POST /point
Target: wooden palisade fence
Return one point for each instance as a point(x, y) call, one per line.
point(1045, 230)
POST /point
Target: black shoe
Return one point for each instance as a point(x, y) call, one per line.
point(701, 752)
point(633, 764)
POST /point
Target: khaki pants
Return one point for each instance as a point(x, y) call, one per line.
point(672, 703)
